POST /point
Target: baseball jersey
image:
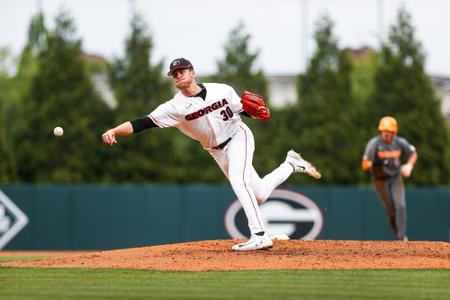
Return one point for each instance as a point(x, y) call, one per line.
point(386, 157)
point(210, 121)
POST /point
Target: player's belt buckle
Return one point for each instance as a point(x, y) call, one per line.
point(221, 146)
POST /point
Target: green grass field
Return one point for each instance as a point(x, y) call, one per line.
point(22, 257)
point(34, 283)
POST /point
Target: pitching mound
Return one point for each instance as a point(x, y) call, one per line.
point(291, 254)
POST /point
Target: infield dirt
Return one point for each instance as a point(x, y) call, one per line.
point(291, 254)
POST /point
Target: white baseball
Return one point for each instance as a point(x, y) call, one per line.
point(58, 131)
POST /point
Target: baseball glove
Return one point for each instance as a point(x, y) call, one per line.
point(254, 105)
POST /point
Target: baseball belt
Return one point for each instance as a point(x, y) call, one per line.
point(221, 146)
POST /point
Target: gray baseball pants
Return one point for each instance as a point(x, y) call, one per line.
point(391, 193)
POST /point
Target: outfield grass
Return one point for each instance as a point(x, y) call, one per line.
point(23, 257)
point(34, 283)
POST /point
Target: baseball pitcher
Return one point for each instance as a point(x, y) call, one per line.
point(382, 158)
point(210, 114)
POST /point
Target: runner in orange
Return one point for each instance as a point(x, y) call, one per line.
point(382, 158)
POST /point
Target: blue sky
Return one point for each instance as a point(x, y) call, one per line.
point(282, 30)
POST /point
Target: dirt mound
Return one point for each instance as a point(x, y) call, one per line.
point(291, 254)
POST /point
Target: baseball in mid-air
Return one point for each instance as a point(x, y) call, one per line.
point(58, 131)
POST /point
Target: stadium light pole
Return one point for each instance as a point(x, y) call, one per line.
point(380, 22)
point(132, 8)
point(304, 34)
point(39, 5)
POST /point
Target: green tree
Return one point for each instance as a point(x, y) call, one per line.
point(364, 62)
point(37, 41)
point(60, 94)
point(13, 88)
point(139, 87)
point(403, 90)
point(6, 106)
point(326, 119)
point(238, 68)
point(137, 82)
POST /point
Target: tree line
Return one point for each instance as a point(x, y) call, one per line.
point(342, 97)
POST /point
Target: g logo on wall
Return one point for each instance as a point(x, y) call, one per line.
point(12, 220)
point(285, 212)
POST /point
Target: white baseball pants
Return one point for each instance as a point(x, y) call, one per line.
point(235, 160)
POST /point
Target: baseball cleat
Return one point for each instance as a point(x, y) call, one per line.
point(300, 165)
point(255, 242)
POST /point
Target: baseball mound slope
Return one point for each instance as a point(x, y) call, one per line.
point(290, 254)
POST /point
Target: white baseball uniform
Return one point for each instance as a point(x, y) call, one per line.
point(215, 121)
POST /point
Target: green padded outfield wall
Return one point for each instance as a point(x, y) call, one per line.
point(111, 217)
